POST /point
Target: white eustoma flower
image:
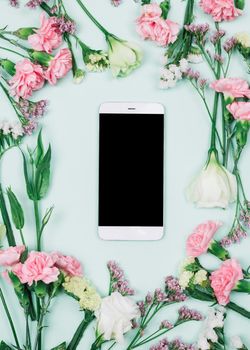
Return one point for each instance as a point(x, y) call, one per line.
point(124, 56)
point(203, 344)
point(215, 186)
point(195, 58)
point(236, 342)
point(115, 315)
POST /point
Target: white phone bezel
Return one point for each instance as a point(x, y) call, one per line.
point(133, 233)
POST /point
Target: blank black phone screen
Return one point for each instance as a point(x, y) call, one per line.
point(131, 167)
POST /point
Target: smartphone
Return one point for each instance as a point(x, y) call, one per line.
point(131, 171)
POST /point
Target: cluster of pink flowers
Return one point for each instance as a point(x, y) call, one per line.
point(118, 281)
point(173, 290)
point(150, 25)
point(220, 10)
point(230, 44)
point(225, 279)
point(245, 215)
point(232, 87)
point(30, 76)
point(189, 315)
point(199, 241)
point(39, 266)
point(175, 344)
point(235, 236)
point(217, 35)
point(166, 325)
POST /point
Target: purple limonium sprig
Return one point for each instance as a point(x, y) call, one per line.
point(117, 280)
point(116, 2)
point(192, 74)
point(186, 314)
point(65, 25)
point(245, 215)
point(218, 58)
point(198, 30)
point(33, 4)
point(176, 344)
point(14, 3)
point(217, 36)
point(230, 44)
point(30, 109)
point(173, 290)
point(166, 325)
point(235, 236)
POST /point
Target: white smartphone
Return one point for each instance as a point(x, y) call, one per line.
point(131, 171)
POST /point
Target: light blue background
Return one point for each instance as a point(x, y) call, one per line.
point(71, 126)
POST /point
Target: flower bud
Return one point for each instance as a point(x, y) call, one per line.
point(23, 33)
point(8, 66)
point(79, 76)
point(242, 128)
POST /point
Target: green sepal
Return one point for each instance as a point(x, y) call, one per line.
point(220, 252)
point(55, 287)
point(16, 210)
point(242, 129)
point(239, 4)
point(24, 33)
point(41, 57)
point(40, 289)
point(165, 7)
point(8, 66)
point(62, 346)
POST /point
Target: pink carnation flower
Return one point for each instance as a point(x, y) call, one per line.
point(240, 110)
point(225, 279)
point(11, 256)
point(38, 267)
point(67, 264)
point(198, 242)
point(47, 37)
point(220, 10)
point(28, 78)
point(150, 25)
point(233, 87)
point(59, 66)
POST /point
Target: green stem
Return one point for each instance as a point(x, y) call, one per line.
point(12, 51)
point(240, 310)
point(22, 237)
point(14, 42)
point(105, 32)
point(43, 312)
point(9, 319)
point(28, 340)
point(38, 224)
point(89, 317)
point(12, 102)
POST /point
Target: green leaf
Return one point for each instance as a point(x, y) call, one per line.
point(20, 290)
point(165, 7)
point(40, 148)
point(29, 187)
point(6, 219)
point(62, 346)
point(16, 210)
point(4, 346)
point(43, 175)
point(145, 2)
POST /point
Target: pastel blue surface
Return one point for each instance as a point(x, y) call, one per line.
point(72, 128)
